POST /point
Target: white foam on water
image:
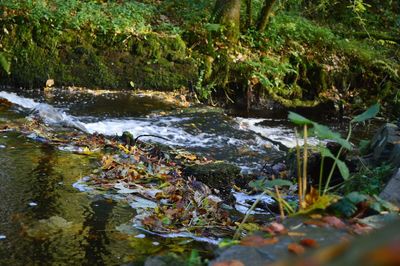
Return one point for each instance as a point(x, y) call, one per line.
point(244, 202)
point(281, 134)
point(48, 113)
point(168, 127)
point(182, 235)
point(18, 100)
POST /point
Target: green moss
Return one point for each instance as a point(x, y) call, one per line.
point(75, 58)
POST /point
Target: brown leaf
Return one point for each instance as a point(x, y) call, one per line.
point(274, 228)
point(309, 242)
point(257, 241)
point(360, 229)
point(318, 223)
point(334, 222)
point(296, 248)
point(228, 263)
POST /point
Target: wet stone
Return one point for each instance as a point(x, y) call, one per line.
point(219, 176)
point(385, 145)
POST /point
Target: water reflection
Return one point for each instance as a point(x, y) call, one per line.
point(97, 238)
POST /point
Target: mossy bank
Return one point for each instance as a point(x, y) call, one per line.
point(308, 54)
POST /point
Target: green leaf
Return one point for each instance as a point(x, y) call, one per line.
point(4, 63)
point(278, 182)
point(262, 184)
point(325, 152)
point(356, 197)
point(298, 119)
point(368, 114)
point(323, 132)
point(213, 27)
point(343, 169)
point(258, 184)
point(345, 207)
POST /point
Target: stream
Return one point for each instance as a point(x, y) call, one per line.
point(45, 220)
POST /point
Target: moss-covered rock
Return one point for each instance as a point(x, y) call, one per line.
point(217, 175)
point(150, 61)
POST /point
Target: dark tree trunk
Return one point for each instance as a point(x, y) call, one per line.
point(264, 16)
point(227, 13)
point(249, 13)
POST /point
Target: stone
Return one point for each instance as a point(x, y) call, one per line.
point(385, 145)
point(391, 192)
point(219, 175)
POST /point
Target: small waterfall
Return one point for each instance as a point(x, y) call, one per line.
point(49, 114)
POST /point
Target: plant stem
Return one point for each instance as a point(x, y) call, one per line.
point(239, 229)
point(299, 181)
point(335, 162)
point(279, 198)
point(321, 171)
point(305, 158)
point(289, 208)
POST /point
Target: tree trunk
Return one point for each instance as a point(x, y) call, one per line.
point(227, 13)
point(249, 13)
point(264, 16)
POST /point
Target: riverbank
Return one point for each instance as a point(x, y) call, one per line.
point(170, 45)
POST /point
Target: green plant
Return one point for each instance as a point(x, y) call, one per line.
point(368, 181)
point(324, 133)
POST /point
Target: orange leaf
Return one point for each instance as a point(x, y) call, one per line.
point(296, 248)
point(308, 242)
point(257, 241)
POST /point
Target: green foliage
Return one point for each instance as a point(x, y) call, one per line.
point(368, 181)
point(348, 205)
point(324, 133)
point(101, 18)
point(4, 63)
point(368, 114)
point(266, 184)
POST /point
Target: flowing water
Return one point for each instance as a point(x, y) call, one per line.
point(44, 220)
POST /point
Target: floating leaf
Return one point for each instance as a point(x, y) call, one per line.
point(296, 248)
point(298, 119)
point(371, 112)
point(257, 241)
point(309, 242)
point(334, 222)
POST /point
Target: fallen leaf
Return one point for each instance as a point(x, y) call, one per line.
point(334, 222)
point(309, 242)
point(294, 234)
point(228, 263)
point(360, 229)
point(296, 248)
point(257, 241)
point(318, 223)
